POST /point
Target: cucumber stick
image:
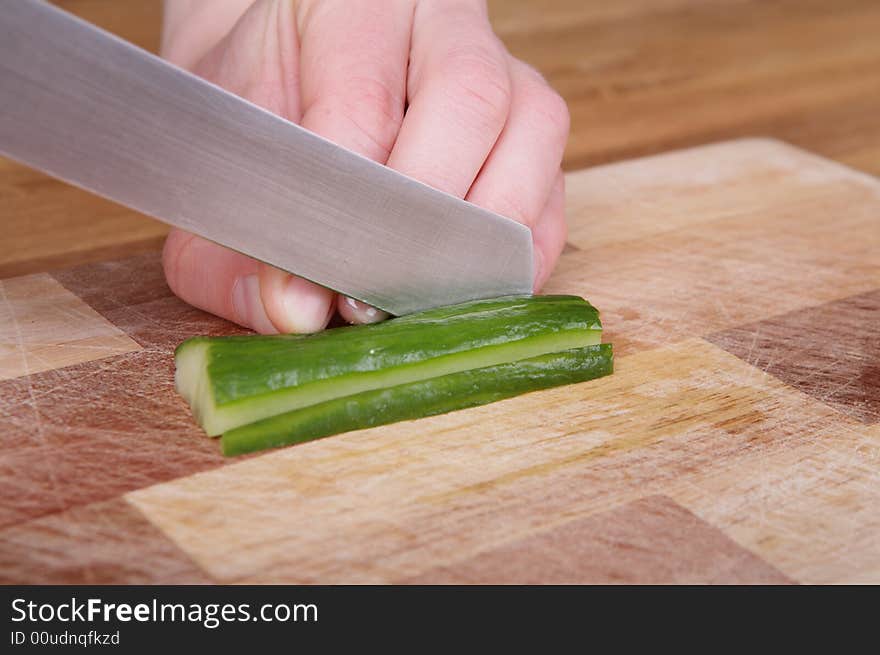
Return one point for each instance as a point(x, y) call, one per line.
point(235, 381)
point(426, 397)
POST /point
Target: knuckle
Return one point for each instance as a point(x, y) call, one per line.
point(549, 112)
point(372, 109)
point(555, 111)
point(548, 107)
point(479, 78)
point(381, 107)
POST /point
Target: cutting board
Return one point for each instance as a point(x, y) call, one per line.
point(737, 441)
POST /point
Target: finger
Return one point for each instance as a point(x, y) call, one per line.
point(216, 279)
point(459, 96)
point(524, 164)
point(355, 311)
point(353, 71)
point(294, 305)
point(549, 233)
point(190, 28)
point(354, 63)
point(256, 60)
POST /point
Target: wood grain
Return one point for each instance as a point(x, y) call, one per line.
point(758, 178)
point(809, 509)
point(90, 432)
point(43, 327)
point(390, 503)
point(640, 77)
point(114, 545)
point(648, 541)
point(717, 236)
point(48, 224)
point(86, 432)
point(831, 352)
point(721, 422)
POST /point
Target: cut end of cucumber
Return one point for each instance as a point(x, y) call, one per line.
point(190, 358)
point(192, 382)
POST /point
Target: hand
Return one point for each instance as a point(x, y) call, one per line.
point(423, 86)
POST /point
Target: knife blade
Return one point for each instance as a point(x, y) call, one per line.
point(96, 111)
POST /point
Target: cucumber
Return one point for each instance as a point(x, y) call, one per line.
point(235, 381)
point(427, 397)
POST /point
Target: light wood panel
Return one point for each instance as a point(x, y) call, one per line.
point(43, 327)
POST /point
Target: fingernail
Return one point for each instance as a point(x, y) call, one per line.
point(539, 269)
point(248, 306)
point(361, 312)
point(305, 306)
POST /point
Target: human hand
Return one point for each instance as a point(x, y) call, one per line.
point(423, 86)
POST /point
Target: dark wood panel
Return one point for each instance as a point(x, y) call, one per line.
point(104, 543)
point(831, 352)
point(91, 431)
point(653, 540)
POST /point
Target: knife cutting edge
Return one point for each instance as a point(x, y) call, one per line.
point(94, 110)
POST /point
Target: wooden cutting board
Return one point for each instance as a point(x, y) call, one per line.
point(737, 441)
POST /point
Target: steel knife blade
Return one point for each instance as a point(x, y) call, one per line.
point(96, 111)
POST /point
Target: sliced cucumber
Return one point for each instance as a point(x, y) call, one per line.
point(234, 381)
point(426, 397)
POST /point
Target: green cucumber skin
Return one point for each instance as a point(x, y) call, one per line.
point(249, 378)
point(423, 398)
point(242, 367)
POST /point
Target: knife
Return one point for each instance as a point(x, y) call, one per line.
point(98, 112)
